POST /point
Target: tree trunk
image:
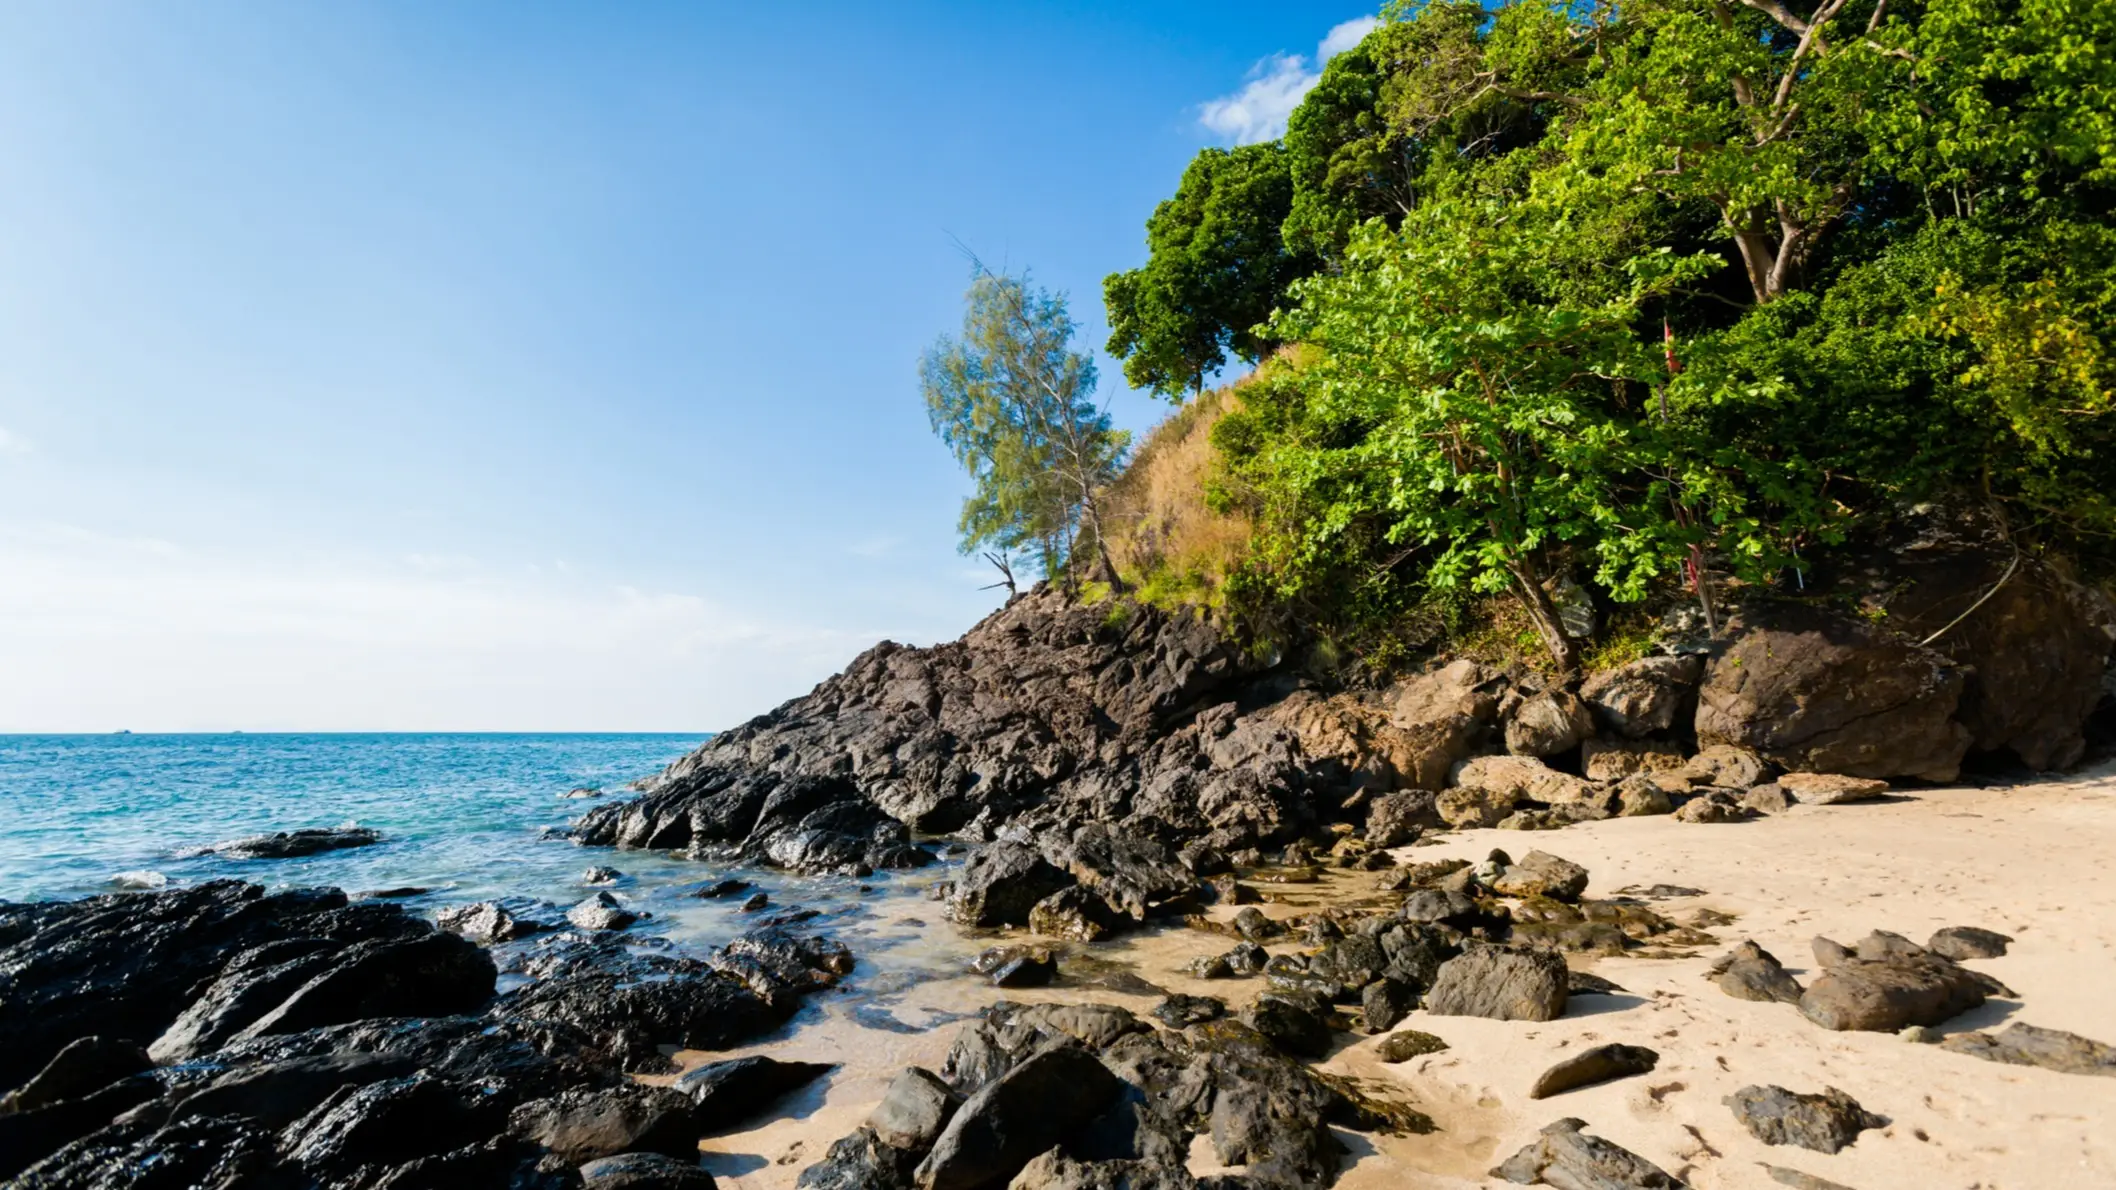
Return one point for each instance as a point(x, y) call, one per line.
point(1548, 623)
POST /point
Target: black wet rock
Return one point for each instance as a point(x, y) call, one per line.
point(1825, 1123)
point(1564, 1156)
point(1024, 967)
point(1586, 983)
point(1181, 1012)
point(1252, 925)
point(1002, 883)
point(601, 874)
point(914, 1110)
point(1034, 1105)
point(1296, 1024)
point(861, 1161)
point(1385, 1002)
point(726, 1092)
point(756, 902)
point(295, 844)
point(2028, 1045)
point(1968, 942)
point(644, 1171)
point(86, 1065)
point(722, 888)
point(583, 1124)
point(1501, 983)
point(601, 912)
point(489, 922)
point(1597, 1065)
point(1749, 972)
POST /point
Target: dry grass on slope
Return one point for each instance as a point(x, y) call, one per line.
point(1163, 535)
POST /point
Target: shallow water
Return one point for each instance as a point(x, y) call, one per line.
point(469, 817)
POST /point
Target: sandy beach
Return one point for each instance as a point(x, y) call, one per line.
point(2032, 861)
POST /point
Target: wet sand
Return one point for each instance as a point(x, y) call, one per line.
point(2033, 861)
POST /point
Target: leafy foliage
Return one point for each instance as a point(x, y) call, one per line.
point(1657, 296)
point(1015, 403)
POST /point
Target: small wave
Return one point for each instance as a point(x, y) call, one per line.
point(144, 878)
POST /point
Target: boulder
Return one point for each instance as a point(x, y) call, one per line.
point(1749, 972)
point(860, 1162)
point(1035, 1105)
point(583, 1124)
point(1501, 984)
point(601, 912)
point(1828, 789)
point(1614, 760)
point(914, 1110)
point(1645, 697)
point(1001, 883)
point(1520, 777)
point(295, 844)
point(1825, 1123)
point(1548, 724)
point(488, 922)
point(1471, 807)
point(1812, 689)
point(1394, 819)
point(724, 1093)
point(1597, 1065)
point(1888, 984)
point(1563, 1155)
point(1540, 874)
point(1713, 805)
point(1968, 942)
point(1461, 687)
point(644, 1171)
point(1638, 797)
point(1768, 798)
point(2028, 1045)
point(1385, 1002)
point(1072, 913)
point(1406, 1044)
point(1294, 1023)
point(1726, 766)
point(1181, 1012)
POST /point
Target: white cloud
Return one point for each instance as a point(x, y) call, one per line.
point(99, 633)
point(12, 443)
point(1276, 85)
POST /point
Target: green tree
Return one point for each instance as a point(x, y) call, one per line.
point(1015, 403)
point(1216, 269)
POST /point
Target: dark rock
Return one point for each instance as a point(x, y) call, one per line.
point(724, 1093)
point(1645, 697)
point(1564, 1156)
point(276, 1093)
point(1406, 1044)
point(914, 1111)
point(2027, 1045)
point(1025, 1111)
point(1072, 913)
point(86, 1065)
point(1385, 1002)
point(295, 844)
point(644, 1171)
point(601, 912)
point(1810, 688)
point(1749, 972)
point(1586, 983)
point(206, 1151)
point(1597, 1065)
point(756, 902)
point(488, 922)
point(1890, 983)
point(1500, 983)
point(583, 1124)
point(861, 1162)
point(1540, 874)
point(1026, 969)
point(1824, 1123)
point(1002, 883)
point(722, 888)
point(1968, 942)
point(1180, 1012)
point(1801, 1181)
point(389, 894)
point(1295, 1024)
point(600, 874)
point(388, 1123)
point(1395, 819)
point(1548, 724)
point(1713, 806)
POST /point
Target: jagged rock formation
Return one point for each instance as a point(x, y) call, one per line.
point(223, 1035)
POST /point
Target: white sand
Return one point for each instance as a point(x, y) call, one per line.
point(2036, 861)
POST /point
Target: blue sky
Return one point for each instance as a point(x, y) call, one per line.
point(538, 367)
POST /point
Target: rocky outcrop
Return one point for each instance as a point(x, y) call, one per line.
point(1809, 688)
point(305, 1040)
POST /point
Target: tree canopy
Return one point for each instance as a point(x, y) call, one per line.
point(1016, 404)
point(1665, 293)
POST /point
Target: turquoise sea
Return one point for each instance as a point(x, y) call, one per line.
point(468, 817)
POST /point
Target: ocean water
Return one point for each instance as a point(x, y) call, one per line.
point(468, 817)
